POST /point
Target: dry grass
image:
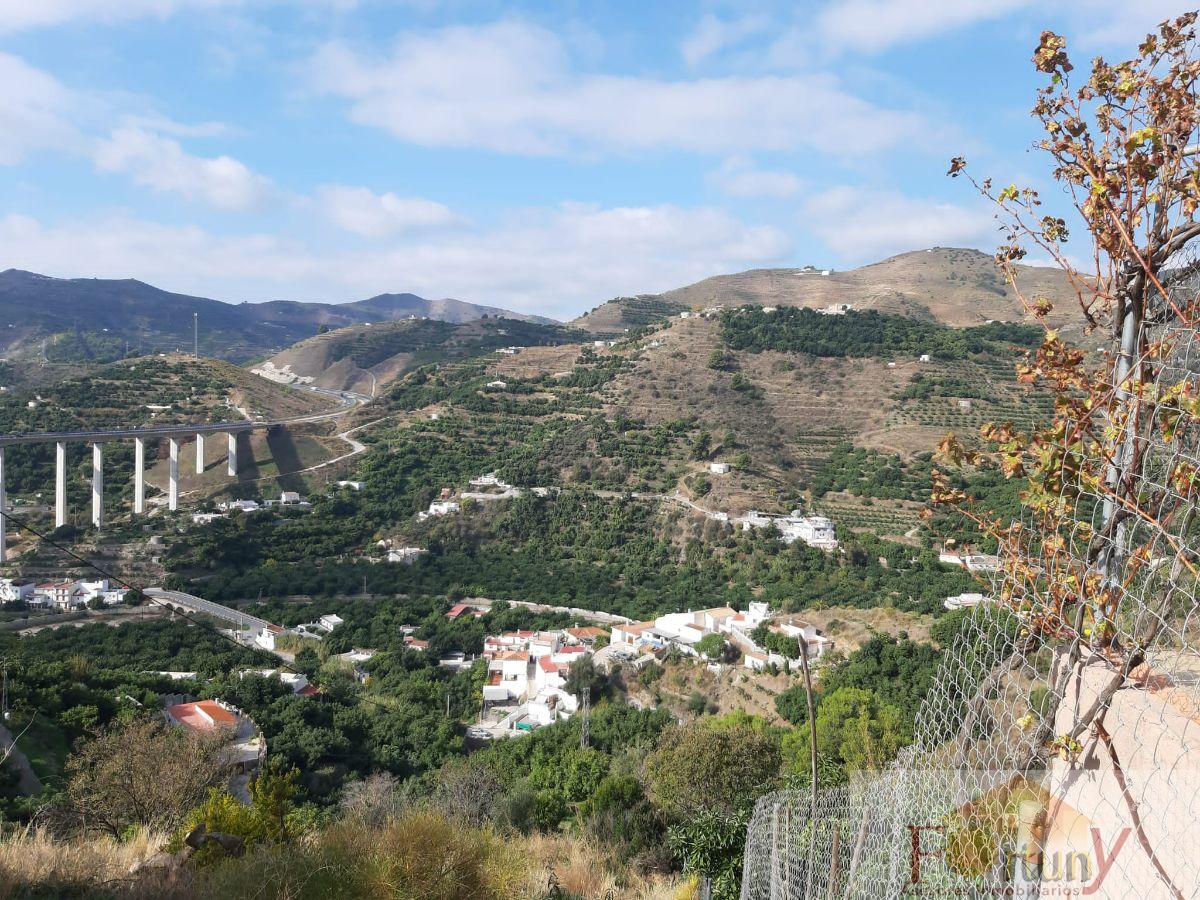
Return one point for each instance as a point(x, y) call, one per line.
point(30, 859)
point(586, 871)
point(419, 856)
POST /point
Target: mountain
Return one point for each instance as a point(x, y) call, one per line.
point(97, 319)
point(953, 286)
point(364, 358)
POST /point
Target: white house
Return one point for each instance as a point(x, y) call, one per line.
point(816, 531)
point(239, 506)
point(972, 562)
point(329, 622)
point(266, 637)
point(441, 508)
point(497, 384)
point(16, 589)
point(63, 595)
point(353, 485)
point(817, 643)
point(551, 705)
point(204, 518)
point(508, 677)
point(405, 555)
point(718, 468)
point(924, 357)
point(964, 601)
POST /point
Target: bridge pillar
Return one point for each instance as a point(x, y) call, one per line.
point(139, 476)
point(97, 485)
point(173, 477)
point(3, 509)
point(233, 460)
point(199, 454)
point(60, 485)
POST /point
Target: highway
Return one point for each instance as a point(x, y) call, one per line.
point(199, 604)
point(346, 400)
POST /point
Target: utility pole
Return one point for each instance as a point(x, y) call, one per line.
point(196, 335)
point(4, 695)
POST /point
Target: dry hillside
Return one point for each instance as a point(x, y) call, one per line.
point(785, 413)
point(363, 358)
point(954, 286)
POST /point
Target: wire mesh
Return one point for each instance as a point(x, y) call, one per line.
point(1056, 753)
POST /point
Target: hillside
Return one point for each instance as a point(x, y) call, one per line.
point(623, 313)
point(146, 391)
point(94, 319)
point(363, 358)
point(954, 286)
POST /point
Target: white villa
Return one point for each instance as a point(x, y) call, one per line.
point(816, 531)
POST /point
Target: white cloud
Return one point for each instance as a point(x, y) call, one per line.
point(161, 163)
point(872, 25)
point(510, 87)
point(738, 177)
point(556, 261)
point(34, 110)
point(363, 212)
point(713, 34)
point(16, 15)
point(1119, 24)
point(863, 225)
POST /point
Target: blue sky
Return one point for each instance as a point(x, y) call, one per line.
point(539, 156)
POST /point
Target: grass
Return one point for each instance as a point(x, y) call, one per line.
point(418, 856)
point(33, 864)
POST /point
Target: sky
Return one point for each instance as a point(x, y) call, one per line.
point(543, 157)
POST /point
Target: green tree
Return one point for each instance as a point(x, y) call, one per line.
point(711, 646)
point(708, 767)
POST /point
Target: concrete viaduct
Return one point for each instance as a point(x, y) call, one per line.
point(173, 433)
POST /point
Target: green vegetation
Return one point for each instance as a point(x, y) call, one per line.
point(867, 333)
point(922, 387)
point(869, 473)
point(430, 340)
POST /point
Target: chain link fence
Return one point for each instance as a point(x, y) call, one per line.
point(1058, 750)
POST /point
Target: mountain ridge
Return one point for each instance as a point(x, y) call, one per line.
point(97, 318)
point(952, 285)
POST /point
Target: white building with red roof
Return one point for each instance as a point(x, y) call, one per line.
point(248, 747)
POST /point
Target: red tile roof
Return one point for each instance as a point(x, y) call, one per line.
point(204, 715)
